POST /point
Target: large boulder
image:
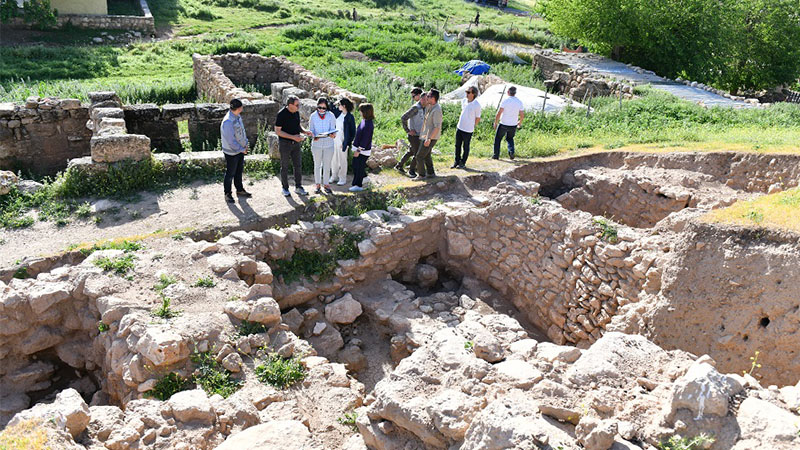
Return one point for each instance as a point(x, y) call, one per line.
point(191, 406)
point(275, 434)
point(704, 391)
point(765, 425)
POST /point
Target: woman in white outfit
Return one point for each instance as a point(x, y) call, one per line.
point(346, 130)
point(322, 125)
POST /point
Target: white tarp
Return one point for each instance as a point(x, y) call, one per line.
point(532, 98)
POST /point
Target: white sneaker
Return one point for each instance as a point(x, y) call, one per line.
point(356, 189)
point(342, 182)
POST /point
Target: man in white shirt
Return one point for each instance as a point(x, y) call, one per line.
point(470, 116)
point(510, 116)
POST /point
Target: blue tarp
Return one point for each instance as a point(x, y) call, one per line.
point(475, 67)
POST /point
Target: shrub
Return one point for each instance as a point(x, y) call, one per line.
point(280, 372)
point(679, 443)
point(212, 377)
point(762, 54)
point(167, 385)
point(39, 13)
point(102, 327)
point(8, 10)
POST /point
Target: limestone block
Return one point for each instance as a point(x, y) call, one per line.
point(273, 434)
point(452, 412)
point(344, 310)
point(190, 406)
point(265, 311)
point(162, 347)
point(44, 295)
point(458, 245)
point(703, 390)
point(122, 147)
point(596, 434)
point(68, 412)
point(221, 263)
point(7, 181)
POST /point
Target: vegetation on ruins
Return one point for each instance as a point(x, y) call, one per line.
point(165, 311)
point(607, 229)
point(164, 280)
point(778, 210)
point(102, 327)
point(246, 328)
point(349, 419)
point(684, 443)
point(167, 385)
point(205, 282)
point(119, 265)
point(319, 265)
point(24, 435)
point(125, 245)
point(354, 206)
point(212, 377)
point(691, 40)
point(279, 371)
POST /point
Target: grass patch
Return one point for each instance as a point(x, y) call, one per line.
point(280, 372)
point(205, 282)
point(125, 245)
point(28, 434)
point(354, 206)
point(120, 265)
point(168, 385)
point(247, 328)
point(780, 210)
point(165, 311)
point(212, 377)
point(607, 229)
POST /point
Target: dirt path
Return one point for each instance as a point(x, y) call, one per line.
point(196, 207)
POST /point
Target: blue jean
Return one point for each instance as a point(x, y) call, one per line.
point(234, 166)
point(508, 132)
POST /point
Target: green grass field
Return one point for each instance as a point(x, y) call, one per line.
point(402, 36)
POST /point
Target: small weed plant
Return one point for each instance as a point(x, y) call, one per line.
point(168, 385)
point(126, 246)
point(163, 282)
point(205, 282)
point(21, 273)
point(280, 372)
point(119, 265)
point(754, 364)
point(534, 200)
point(681, 443)
point(212, 377)
point(349, 419)
point(608, 231)
point(247, 328)
point(755, 216)
point(469, 345)
point(165, 311)
point(102, 327)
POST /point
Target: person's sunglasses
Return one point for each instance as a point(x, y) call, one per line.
point(322, 108)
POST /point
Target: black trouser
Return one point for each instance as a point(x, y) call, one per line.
point(234, 166)
point(359, 169)
point(465, 138)
point(413, 142)
point(290, 150)
point(508, 131)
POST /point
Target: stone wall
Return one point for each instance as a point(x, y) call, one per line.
point(160, 124)
point(549, 262)
point(217, 77)
point(41, 135)
point(144, 23)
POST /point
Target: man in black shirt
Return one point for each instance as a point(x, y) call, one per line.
point(290, 135)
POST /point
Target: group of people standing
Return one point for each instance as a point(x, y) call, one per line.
point(333, 132)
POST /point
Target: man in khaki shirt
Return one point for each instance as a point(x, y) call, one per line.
point(431, 131)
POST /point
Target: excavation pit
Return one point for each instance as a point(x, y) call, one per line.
point(451, 297)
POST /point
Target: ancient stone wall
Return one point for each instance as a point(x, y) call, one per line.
point(217, 77)
point(550, 263)
point(144, 23)
point(41, 135)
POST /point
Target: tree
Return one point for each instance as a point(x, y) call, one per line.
point(730, 43)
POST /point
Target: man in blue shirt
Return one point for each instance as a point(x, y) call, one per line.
point(234, 146)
